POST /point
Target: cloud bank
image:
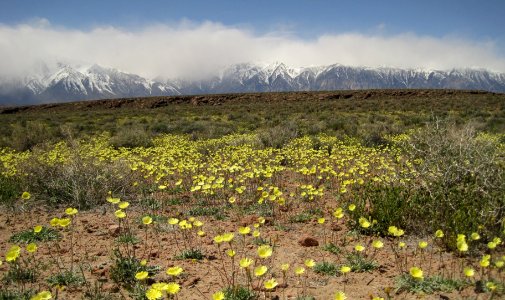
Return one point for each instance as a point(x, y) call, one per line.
point(188, 50)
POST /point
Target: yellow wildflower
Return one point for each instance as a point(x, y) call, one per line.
point(147, 220)
point(173, 221)
point(174, 271)
point(416, 273)
point(123, 205)
point(264, 251)
point(299, 270)
point(359, 248)
point(230, 252)
point(64, 222)
point(32, 247)
point(377, 244)
point(44, 295)
point(260, 271)
point(71, 211)
point(244, 230)
point(120, 214)
point(340, 296)
point(422, 244)
point(469, 272)
point(173, 288)
point(218, 296)
point(153, 294)
point(245, 262)
point(228, 237)
point(141, 275)
point(310, 263)
point(271, 284)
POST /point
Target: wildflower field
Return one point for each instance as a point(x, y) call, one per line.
point(277, 199)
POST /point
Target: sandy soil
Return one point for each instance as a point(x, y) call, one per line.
point(94, 242)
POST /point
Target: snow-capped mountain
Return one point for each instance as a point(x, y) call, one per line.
point(279, 77)
point(68, 83)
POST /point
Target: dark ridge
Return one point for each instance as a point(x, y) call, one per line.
point(219, 99)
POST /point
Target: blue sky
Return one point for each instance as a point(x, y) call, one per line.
point(398, 33)
point(465, 18)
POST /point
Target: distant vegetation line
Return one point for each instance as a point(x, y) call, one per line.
point(367, 114)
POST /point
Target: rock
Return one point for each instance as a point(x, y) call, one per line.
point(269, 221)
point(283, 285)
point(98, 271)
point(110, 287)
point(191, 281)
point(308, 241)
point(335, 226)
point(114, 230)
point(249, 220)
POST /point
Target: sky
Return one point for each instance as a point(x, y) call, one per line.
point(196, 38)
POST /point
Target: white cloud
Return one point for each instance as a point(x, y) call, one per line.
point(188, 49)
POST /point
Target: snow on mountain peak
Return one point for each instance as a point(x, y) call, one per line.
point(94, 81)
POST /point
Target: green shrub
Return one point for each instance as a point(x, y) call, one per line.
point(190, 254)
point(79, 181)
point(65, 278)
point(461, 179)
point(21, 274)
point(326, 268)
point(428, 285)
point(388, 205)
point(360, 263)
point(130, 137)
point(279, 136)
point(28, 134)
point(10, 189)
point(29, 236)
point(16, 295)
point(125, 267)
point(332, 248)
point(239, 293)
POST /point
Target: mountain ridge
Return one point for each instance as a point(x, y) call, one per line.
point(97, 82)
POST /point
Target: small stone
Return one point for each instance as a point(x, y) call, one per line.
point(111, 287)
point(249, 220)
point(335, 226)
point(114, 230)
point(191, 281)
point(307, 241)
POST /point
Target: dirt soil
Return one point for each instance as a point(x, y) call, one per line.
point(94, 241)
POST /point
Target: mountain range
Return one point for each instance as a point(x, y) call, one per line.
point(68, 83)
